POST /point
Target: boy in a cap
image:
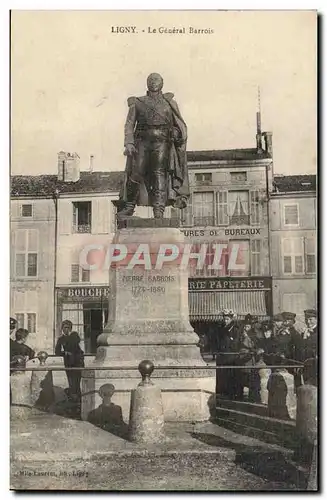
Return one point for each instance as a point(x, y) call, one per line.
point(68, 347)
point(18, 346)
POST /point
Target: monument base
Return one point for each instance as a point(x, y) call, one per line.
point(149, 320)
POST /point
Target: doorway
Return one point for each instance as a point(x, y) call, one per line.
point(95, 316)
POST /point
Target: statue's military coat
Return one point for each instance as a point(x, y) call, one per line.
point(178, 181)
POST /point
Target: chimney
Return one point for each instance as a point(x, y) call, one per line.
point(68, 167)
point(91, 163)
point(259, 133)
point(268, 143)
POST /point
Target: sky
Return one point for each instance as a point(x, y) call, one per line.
point(71, 77)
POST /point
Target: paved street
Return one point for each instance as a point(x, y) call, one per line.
point(52, 452)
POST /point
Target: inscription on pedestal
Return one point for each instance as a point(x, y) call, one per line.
point(147, 294)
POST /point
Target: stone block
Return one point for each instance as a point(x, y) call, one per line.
point(281, 395)
point(307, 412)
point(146, 421)
point(21, 396)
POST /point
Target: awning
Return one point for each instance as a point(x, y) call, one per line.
point(206, 306)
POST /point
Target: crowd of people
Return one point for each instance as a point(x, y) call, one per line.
point(244, 342)
point(248, 341)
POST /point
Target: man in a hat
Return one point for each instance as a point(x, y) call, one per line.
point(294, 349)
point(278, 321)
point(226, 378)
point(13, 326)
point(246, 347)
point(310, 337)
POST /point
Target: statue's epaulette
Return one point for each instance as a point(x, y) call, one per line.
point(169, 96)
point(131, 101)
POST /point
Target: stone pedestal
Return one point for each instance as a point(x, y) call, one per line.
point(149, 319)
point(21, 397)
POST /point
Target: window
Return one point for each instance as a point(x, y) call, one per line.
point(82, 213)
point(234, 259)
point(255, 257)
point(238, 176)
point(293, 256)
point(78, 274)
point(203, 208)
point(310, 255)
point(203, 178)
point(291, 215)
point(238, 202)
point(255, 207)
point(26, 320)
point(222, 208)
point(27, 210)
point(26, 246)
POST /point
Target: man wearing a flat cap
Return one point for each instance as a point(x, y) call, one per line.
point(311, 334)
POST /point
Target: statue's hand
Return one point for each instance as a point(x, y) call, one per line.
point(130, 150)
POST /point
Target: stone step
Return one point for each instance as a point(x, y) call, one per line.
point(257, 433)
point(243, 406)
point(285, 429)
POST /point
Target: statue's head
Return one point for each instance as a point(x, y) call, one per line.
point(154, 82)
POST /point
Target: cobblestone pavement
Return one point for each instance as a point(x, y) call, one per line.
point(50, 452)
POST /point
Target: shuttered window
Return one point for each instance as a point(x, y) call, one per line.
point(254, 207)
point(256, 257)
point(26, 253)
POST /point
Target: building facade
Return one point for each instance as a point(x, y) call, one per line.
point(293, 232)
point(257, 232)
point(228, 212)
point(32, 264)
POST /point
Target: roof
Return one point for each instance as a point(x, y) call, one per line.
point(294, 183)
point(227, 154)
point(45, 185)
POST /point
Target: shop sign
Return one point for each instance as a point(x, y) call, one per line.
point(244, 231)
point(226, 284)
point(85, 292)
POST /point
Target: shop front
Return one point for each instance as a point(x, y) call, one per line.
point(244, 295)
point(87, 308)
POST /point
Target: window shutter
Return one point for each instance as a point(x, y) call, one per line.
point(187, 213)
point(32, 243)
point(75, 273)
point(100, 214)
point(20, 240)
point(222, 208)
point(20, 245)
point(255, 207)
point(65, 216)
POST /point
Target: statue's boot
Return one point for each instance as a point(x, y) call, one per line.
point(129, 206)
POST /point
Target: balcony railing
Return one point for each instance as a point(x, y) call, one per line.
point(82, 228)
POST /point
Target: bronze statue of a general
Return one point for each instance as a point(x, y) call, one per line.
point(155, 145)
